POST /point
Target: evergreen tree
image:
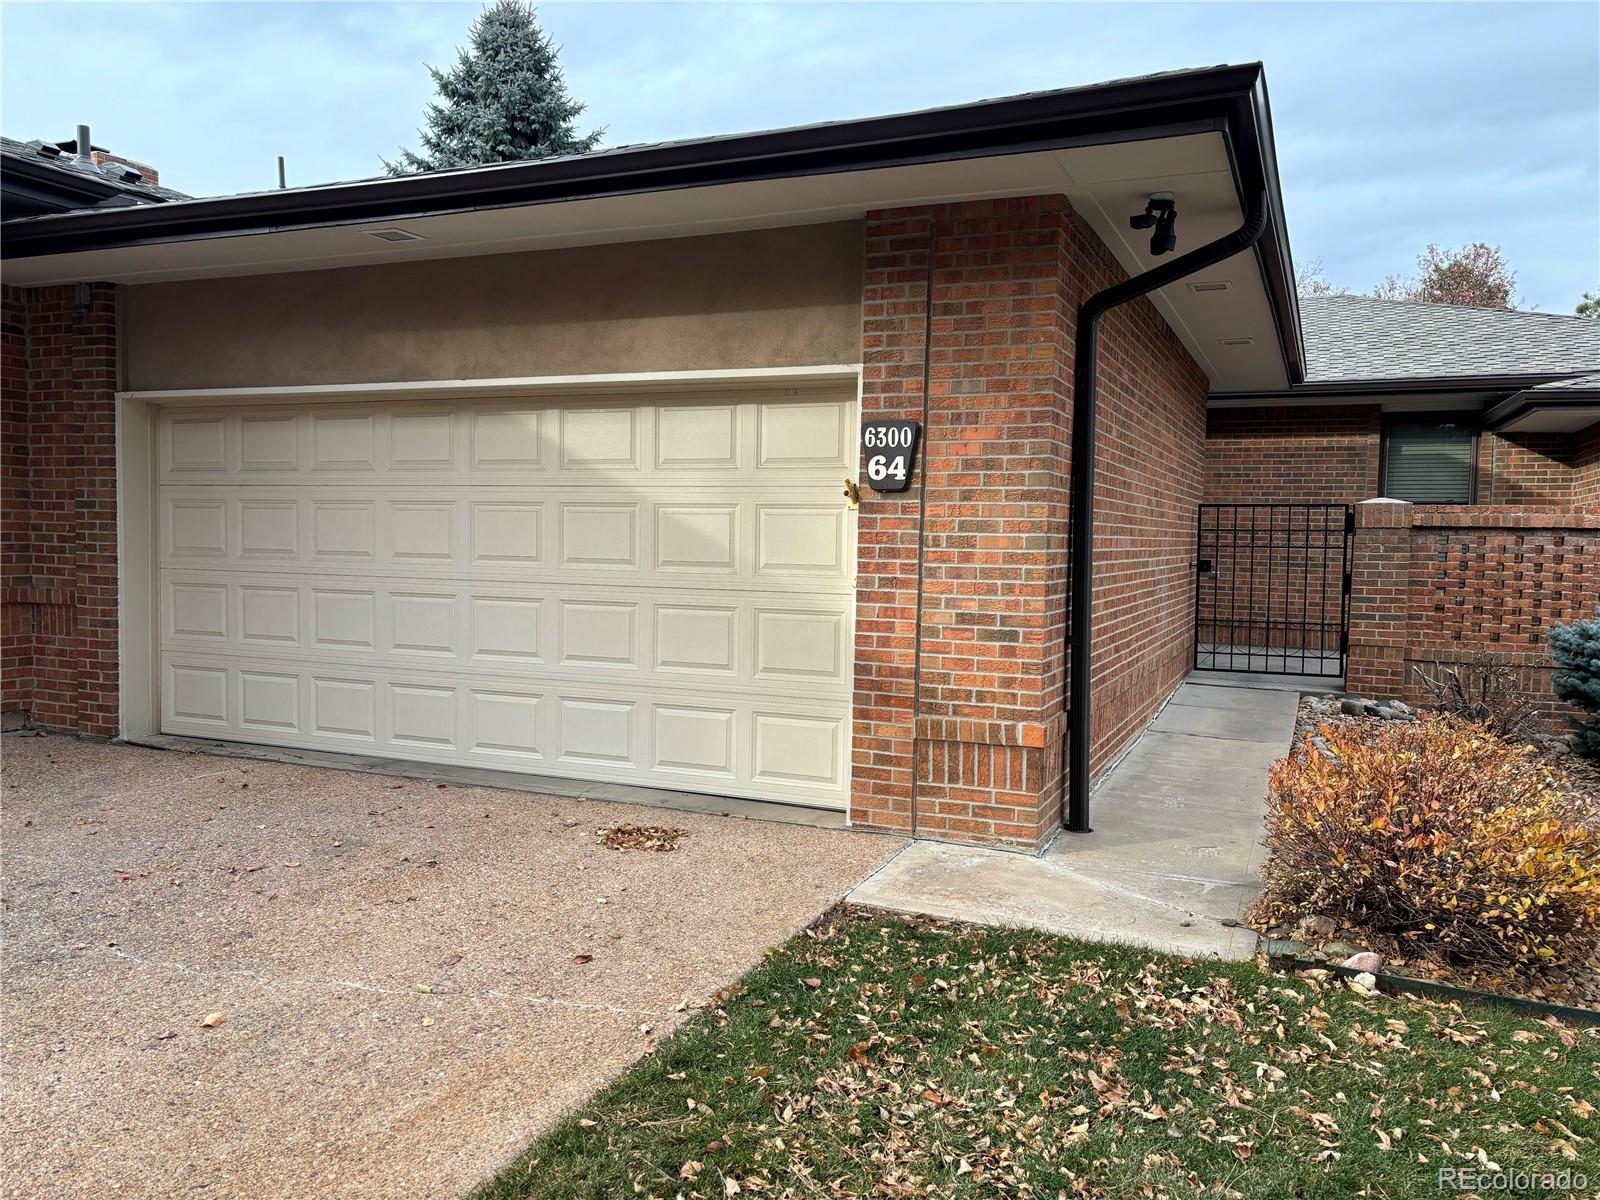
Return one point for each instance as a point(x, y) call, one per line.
point(505, 99)
point(1576, 649)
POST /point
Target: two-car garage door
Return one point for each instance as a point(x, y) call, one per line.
point(644, 592)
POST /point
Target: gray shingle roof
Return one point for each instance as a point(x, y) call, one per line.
point(1362, 338)
point(152, 193)
point(1584, 383)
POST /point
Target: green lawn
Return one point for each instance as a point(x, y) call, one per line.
point(877, 1057)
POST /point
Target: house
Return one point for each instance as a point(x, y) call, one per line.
point(557, 467)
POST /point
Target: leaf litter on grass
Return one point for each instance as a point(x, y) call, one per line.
point(877, 1057)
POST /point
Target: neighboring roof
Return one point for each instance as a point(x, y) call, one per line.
point(39, 179)
point(1587, 386)
point(1227, 100)
point(1361, 339)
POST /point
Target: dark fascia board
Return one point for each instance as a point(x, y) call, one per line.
point(1228, 99)
point(1399, 386)
point(1527, 401)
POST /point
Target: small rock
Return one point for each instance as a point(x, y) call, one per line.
point(1353, 708)
point(1400, 706)
point(1185, 923)
point(1284, 948)
point(1366, 961)
point(1316, 973)
point(1279, 931)
point(1339, 950)
point(1363, 984)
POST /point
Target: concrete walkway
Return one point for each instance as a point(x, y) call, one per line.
point(1175, 849)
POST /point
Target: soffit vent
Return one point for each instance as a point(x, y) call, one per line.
point(395, 235)
point(1215, 285)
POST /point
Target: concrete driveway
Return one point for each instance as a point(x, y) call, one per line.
point(402, 967)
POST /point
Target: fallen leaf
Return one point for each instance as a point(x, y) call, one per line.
point(213, 1019)
point(812, 982)
point(580, 959)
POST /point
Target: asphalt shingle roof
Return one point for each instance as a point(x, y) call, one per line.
point(11, 148)
point(1362, 338)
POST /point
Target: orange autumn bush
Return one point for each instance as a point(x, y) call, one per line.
point(1438, 832)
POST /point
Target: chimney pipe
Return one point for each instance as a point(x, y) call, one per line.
point(85, 156)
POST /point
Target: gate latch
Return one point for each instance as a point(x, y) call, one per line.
point(1205, 568)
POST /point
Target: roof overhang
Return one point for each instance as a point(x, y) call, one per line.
point(1546, 410)
point(1205, 135)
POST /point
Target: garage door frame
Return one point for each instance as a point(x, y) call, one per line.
point(137, 490)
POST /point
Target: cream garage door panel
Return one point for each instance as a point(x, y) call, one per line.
point(645, 593)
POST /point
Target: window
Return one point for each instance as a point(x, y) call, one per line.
point(1429, 460)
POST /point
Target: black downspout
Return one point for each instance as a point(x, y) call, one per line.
point(1081, 585)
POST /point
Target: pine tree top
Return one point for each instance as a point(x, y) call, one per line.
point(505, 100)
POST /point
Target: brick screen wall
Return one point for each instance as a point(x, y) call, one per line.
point(1434, 584)
point(958, 715)
point(58, 543)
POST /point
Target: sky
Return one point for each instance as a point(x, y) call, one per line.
point(1397, 124)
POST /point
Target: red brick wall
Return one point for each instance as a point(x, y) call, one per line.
point(1435, 583)
point(1525, 469)
point(1331, 454)
point(960, 716)
point(1322, 454)
point(60, 531)
point(988, 526)
point(1586, 467)
point(1150, 473)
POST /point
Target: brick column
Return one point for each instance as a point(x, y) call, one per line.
point(979, 741)
point(60, 527)
point(1380, 598)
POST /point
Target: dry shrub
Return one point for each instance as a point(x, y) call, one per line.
point(1484, 689)
point(1436, 831)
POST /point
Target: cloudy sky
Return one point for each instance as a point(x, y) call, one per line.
point(1397, 124)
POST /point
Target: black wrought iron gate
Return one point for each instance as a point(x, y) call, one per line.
point(1272, 588)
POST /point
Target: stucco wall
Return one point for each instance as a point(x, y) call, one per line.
point(780, 297)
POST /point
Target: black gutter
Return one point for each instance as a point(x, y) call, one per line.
point(1398, 386)
point(1081, 587)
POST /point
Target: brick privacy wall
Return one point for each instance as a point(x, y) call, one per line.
point(59, 533)
point(969, 703)
point(1434, 584)
point(1331, 454)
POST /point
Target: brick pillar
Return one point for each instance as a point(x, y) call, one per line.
point(1380, 579)
point(60, 527)
point(981, 736)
